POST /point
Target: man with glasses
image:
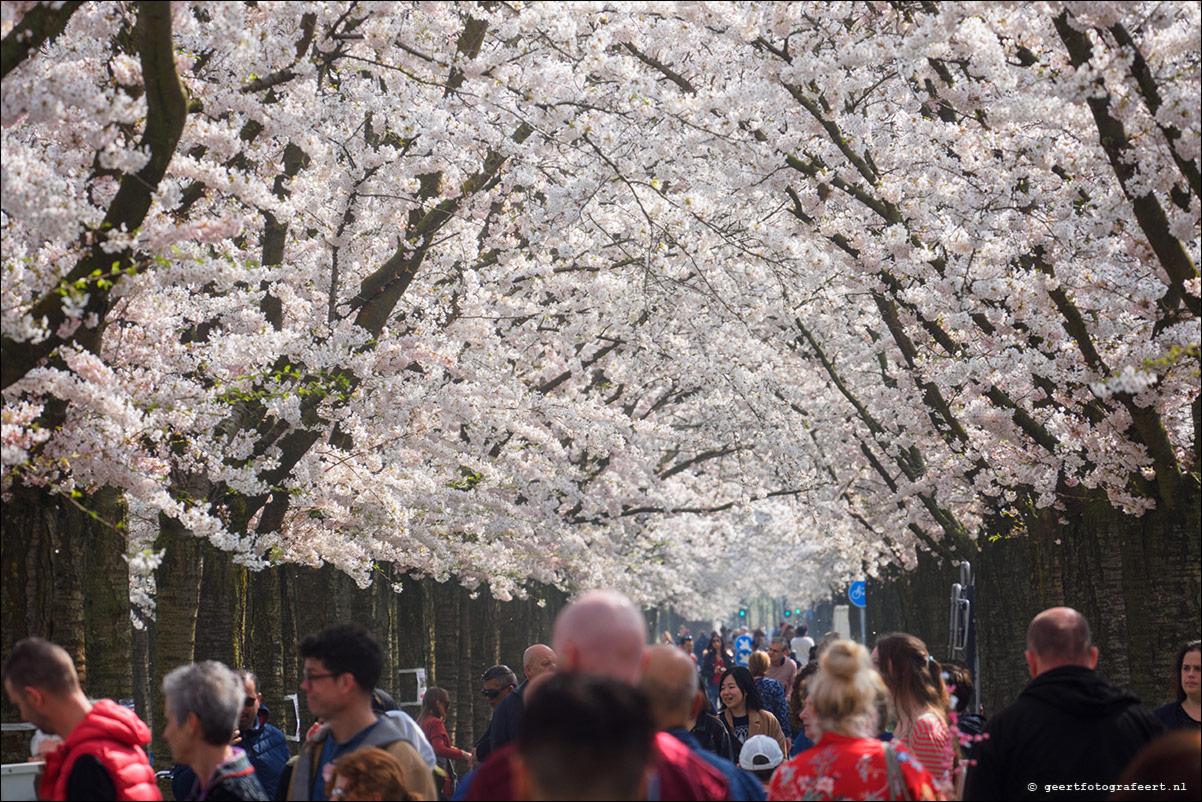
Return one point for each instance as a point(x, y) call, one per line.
point(342, 665)
point(499, 681)
point(780, 666)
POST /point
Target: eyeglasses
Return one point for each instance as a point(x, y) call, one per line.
point(493, 694)
point(311, 678)
point(248, 701)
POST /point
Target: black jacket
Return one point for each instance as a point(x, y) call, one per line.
point(504, 725)
point(709, 658)
point(1068, 726)
point(712, 734)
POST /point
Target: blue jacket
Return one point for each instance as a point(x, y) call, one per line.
point(743, 784)
point(266, 748)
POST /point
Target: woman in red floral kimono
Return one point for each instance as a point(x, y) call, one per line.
point(847, 762)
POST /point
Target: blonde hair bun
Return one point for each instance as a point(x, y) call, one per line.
point(845, 690)
point(844, 659)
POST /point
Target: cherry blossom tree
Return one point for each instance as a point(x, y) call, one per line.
point(694, 300)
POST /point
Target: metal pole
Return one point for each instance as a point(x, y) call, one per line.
point(863, 627)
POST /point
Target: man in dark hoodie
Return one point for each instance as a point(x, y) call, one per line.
point(1069, 731)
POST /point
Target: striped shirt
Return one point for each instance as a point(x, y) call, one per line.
point(929, 740)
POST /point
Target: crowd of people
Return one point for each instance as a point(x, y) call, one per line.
point(600, 715)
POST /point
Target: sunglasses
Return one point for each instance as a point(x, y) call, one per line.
point(495, 693)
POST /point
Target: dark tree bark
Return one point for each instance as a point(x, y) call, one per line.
point(177, 598)
point(108, 629)
point(265, 642)
point(221, 611)
point(43, 557)
point(465, 691)
point(446, 667)
point(1136, 580)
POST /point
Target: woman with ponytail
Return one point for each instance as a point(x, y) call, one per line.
point(846, 761)
point(920, 703)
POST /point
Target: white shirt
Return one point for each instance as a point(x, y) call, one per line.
point(801, 647)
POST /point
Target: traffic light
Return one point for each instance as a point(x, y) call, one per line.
point(788, 613)
point(797, 611)
point(742, 613)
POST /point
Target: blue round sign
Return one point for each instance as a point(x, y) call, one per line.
point(742, 649)
point(857, 594)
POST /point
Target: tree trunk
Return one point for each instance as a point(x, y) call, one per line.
point(1136, 580)
point(446, 669)
point(42, 537)
point(265, 643)
point(487, 646)
point(177, 596)
point(464, 692)
point(290, 638)
point(108, 629)
point(221, 610)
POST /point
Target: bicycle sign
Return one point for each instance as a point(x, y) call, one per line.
point(857, 594)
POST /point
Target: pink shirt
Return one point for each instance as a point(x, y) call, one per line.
point(783, 673)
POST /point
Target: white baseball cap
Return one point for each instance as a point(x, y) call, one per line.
point(759, 753)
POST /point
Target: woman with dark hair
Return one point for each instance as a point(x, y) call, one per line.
point(960, 687)
point(743, 709)
point(1186, 712)
point(920, 702)
point(715, 660)
point(435, 705)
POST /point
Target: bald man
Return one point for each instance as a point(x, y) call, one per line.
point(1069, 731)
point(602, 634)
point(670, 682)
point(537, 660)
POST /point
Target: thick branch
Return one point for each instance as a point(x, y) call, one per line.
point(1151, 95)
point(41, 23)
point(1170, 251)
point(167, 110)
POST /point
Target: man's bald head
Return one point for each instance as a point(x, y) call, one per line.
point(670, 682)
point(538, 659)
point(1059, 637)
point(602, 633)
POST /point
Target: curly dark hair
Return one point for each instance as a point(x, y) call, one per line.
point(347, 649)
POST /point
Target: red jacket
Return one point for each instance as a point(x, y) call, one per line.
point(113, 735)
point(679, 774)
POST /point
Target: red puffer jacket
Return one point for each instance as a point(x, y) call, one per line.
point(113, 735)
